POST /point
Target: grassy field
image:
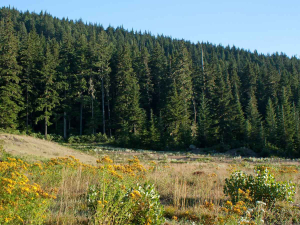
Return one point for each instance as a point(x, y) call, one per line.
point(190, 188)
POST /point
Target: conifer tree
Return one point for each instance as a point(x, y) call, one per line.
point(11, 101)
point(204, 134)
point(239, 117)
point(145, 80)
point(174, 113)
point(49, 96)
point(285, 123)
point(100, 51)
point(157, 70)
point(254, 126)
point(271, 127)
point(30, 52)
point(66, 71)
point(222, 108)
point(181, 73)
point(127, 111)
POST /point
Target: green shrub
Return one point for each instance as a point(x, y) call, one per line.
point(261, 187)
point(136, 205)
point(87, 138)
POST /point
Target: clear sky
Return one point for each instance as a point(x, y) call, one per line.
point(265, 25)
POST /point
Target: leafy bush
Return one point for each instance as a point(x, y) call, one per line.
point(55, 137)
point(135, 205)
point(88, 138)
point(261, 187)
point(119, 199)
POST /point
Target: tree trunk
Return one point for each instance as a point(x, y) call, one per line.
point(65, 122)
point(27, 107)
point(103, 108)
point(93, 124)
point(80, 118)
point(108, 109)
point(65, 125)
point(46, 118)
point(195, 111)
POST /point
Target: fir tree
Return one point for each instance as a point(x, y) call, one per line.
point(49, 96)
point(271, 127)
point(11, 101)
point(204, 134)
point(127, 111)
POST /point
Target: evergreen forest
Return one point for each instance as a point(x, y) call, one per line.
point(70, 78)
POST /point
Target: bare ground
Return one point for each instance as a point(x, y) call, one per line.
point(34, 148)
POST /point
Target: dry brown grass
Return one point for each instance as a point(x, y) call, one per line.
point(36, 149)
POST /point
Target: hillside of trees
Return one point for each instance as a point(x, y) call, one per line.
point(66, 77)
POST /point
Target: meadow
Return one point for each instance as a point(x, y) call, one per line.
point(127, 186)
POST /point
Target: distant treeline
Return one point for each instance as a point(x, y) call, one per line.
point(66, 77)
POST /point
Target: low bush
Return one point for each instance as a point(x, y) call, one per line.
point(118, 199)
point(99, 137)
point(260, 187)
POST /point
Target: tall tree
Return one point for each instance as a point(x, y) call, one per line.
point(222, 108)
point(157, 70)
point(127, 111)
point(271, 126)
point(11, 101)
point(49, 96)
point(100, 50)
point(204, 134)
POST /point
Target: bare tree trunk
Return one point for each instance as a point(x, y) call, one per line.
point(27, 107)
point(195, 111)
point(103, 108)
point(108, 109)
point(80, 132)
point(65, 125)
point(93, 124)
point(65, 122)
point(46, 123)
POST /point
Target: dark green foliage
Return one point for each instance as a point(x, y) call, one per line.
point(127, 112)
point(11, 101)
point(149, 92)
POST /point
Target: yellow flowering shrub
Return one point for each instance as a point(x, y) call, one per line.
point(21, 200)
point(118, 199)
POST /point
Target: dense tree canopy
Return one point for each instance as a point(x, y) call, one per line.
point(69, 78)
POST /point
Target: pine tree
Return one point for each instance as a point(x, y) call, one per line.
point(66, 72)
point(29, 53)
point(239, 117)
point(181, 73)
point(49, 96)
point(204, 134)
point(222, 109)
point(271, 127)
point(11, 101)
point(254, 123)
point(145, 80)
point(285, 123)
point(127, 112)
point(174, 114)
point(100, 51)
point(157, 70)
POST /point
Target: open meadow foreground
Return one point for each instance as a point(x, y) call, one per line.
point(123, 186)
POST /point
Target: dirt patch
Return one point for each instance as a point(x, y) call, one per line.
point(28, 146)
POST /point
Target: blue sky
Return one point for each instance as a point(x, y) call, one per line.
point(265, 25)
